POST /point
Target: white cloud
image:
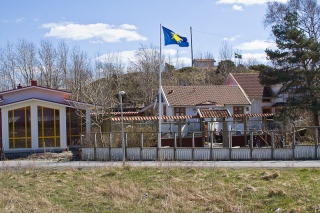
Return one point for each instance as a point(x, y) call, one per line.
point(246, 2)
point(236, 7)
point(261, 57)
point(97, 32)
point(169, 52)
point(232, 38)
point(176, 58)
point(182, 62)
point(125, 56)
point(255, 45)
point(128, 27)
point(171, 56)
point(19, 20)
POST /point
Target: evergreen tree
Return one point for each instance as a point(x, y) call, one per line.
point(296, 66)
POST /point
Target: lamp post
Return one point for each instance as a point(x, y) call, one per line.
point(121, 93)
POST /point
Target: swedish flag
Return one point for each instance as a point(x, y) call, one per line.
point(171, 37)
point(236, 55)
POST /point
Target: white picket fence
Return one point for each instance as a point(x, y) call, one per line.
point(299, 152)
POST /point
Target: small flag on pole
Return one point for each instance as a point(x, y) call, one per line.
point(236, 55)
point(171, 37)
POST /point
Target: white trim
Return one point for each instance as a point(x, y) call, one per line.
point(79, 105)
point(5, 128)
point(37, 87)
point(34, 126)
point(63, 127)
point(34, 99)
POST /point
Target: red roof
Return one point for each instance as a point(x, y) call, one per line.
point(207, 113)
point(205, 95)
point(250, 83)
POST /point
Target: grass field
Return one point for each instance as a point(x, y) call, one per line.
point(132, 189)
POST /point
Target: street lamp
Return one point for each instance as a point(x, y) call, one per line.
point(121, 93)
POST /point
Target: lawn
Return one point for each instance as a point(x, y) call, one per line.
point(139, 189)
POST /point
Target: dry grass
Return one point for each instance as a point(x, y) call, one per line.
point(129, 189)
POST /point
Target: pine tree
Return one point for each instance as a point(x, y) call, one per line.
point(295, 66)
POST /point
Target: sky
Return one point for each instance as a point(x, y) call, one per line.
point(123, 26)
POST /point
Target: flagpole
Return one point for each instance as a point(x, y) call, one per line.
point(159, 96)
point(191, 47)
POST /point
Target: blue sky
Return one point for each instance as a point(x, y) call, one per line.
point(122, 26)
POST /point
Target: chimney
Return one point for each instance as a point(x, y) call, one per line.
point(33, 83)
point(19, 86)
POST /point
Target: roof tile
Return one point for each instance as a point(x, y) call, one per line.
point(205, 95)
point(250, 83)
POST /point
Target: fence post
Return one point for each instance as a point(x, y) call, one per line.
point(95, 147)
point(272, 144)
point(126, 146)
point(110, 145)
point(175, 146)
point(141, 145)
point(316, 141)
point(211, 144)
point(293, 146)
point(158, 145)
point(192, 145)
point(294, 135)
point(251, 143)
point(230, 145)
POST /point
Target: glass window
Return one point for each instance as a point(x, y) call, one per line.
point(238, 110)
point(48, 127)
point(180, 111)
point(19, 123)
point(76, 126)
point(267, 110)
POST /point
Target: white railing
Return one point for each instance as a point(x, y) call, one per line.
point(299, 152)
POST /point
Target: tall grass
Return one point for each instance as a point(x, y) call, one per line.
point(139, 189)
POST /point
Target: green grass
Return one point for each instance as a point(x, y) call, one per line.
point(132, 189)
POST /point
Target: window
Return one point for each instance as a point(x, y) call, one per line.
point(19, 128)
point(76, 126)
point(179, 111)
point(267, 93)
point(164, 111)
point(266, 100)
point(267, 110)
point(48, 127)
point(238, 110)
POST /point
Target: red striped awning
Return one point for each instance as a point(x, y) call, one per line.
point(152, 118)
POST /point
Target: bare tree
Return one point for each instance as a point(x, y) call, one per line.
point(26, 61)
point(308, 15)
point(111, 67)
point(49, 72)
point(80, 72)
point(62, 62)
point(8, 66)
point(147, 64)
point(226, 51)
